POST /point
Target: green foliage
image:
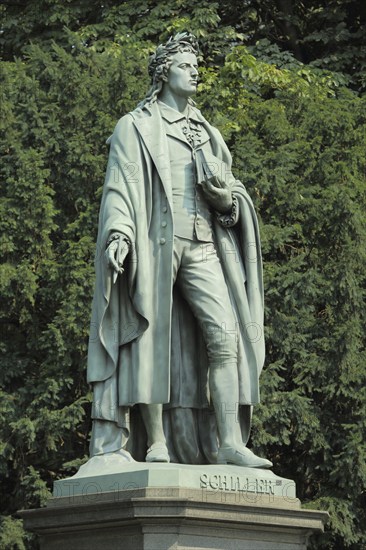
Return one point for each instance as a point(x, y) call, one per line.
point(298, 140)
point(309, 180)
point(329, 34)
point(12, 536)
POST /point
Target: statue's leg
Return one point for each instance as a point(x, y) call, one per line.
point(201, 280)
point(202, 284)
point(223, 392)
point(152, 416)
point(223, 384)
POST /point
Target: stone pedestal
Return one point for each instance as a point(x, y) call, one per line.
point(168, 506)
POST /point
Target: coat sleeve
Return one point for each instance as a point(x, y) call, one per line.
point(118, 212)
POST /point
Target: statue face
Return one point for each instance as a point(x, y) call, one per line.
point(182, 75)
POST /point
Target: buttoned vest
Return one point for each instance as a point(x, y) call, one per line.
point(191, 213)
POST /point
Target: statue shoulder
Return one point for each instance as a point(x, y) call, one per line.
point(137, 116)
point(140, 113)
point(125, 122)
point(125, 125)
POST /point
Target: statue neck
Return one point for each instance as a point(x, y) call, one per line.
point(176, 102)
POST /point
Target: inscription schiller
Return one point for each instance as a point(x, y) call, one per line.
point(227, 482)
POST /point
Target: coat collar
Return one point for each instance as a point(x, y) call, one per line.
point(172, 115)
point(149, 124)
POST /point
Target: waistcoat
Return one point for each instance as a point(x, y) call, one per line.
point(192, 216)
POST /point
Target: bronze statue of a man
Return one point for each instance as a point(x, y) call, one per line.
point(177, 324)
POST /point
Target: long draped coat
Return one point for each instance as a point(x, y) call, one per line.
point(143, 336)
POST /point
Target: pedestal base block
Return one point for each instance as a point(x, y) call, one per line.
point(220, 508)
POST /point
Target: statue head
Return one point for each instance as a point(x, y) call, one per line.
point(161, 60)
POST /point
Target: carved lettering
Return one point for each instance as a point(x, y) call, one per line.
point(226, 482)
point(203, 480)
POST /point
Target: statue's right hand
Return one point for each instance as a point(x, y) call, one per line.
point(116, 253)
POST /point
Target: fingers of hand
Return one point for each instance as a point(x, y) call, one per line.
point(215, 182)
point(112, 262)
point(112, 257)
point(122, 252)
point(214, 192)
point(209, 187)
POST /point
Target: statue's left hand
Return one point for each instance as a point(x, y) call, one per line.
point(217, 196)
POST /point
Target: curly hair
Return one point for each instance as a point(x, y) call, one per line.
point(160, 61)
